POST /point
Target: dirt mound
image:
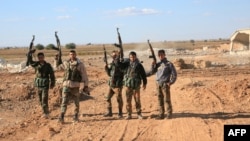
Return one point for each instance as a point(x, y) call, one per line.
point(201, 64)
point(179, 64)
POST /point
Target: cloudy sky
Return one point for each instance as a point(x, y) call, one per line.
point(95, 21)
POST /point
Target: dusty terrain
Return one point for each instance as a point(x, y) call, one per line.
point(204, 100)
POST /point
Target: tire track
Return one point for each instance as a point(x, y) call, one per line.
point(140, 133)
point(115, 131)
point(218, 98)
point(195, 128)
point(104, 133)
point(132, 130)
point(123, 132)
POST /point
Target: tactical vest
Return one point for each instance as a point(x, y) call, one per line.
point(116, 76)
point(132, 77)
point(42, 75)
point(41, 82)
point(72, 73)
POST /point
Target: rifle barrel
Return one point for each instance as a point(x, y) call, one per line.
point(152, 51)
point(59, 49)
point(105, 55)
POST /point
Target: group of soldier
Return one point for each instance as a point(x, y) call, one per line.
point(128, 74)
point(75, 74)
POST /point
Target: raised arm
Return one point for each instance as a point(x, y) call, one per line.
point(153, 70)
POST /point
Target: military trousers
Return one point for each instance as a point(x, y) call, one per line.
point(43, 94)
point(67, 94)
point(130, 93)
point(164, 99)
point(118, 93)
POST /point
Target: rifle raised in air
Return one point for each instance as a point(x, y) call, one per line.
point(105, 59)
point(59, 57)
point(31, 51)
point(119, 45)
point(152, 52)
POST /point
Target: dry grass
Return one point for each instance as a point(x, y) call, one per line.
point(97, 49)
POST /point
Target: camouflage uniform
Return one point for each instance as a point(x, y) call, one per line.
point(133, 76)
point(44, 78)
point(165, 73)
point(115, 86)
point(74, 74)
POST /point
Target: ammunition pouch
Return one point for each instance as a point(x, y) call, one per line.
point(132, 83)
point(73, 75)
point(114, 83)
point(41, 82)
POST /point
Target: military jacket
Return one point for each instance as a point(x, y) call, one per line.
point(116, 74)
point(134, 75)
point(165, 72)
point(44, 74)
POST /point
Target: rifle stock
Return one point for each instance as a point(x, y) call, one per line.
point(59, 58)
point(152, 52)
point(31, 51)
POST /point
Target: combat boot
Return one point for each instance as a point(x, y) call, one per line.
point(161, 116)
point(45, 116)
point(139, 116)
point(75, 118)
point(109, 113)
point(169, 116)
point(129, 117)
point(120, 113)
point(61, 118)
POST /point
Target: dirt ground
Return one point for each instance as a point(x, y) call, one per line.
point(203, 100)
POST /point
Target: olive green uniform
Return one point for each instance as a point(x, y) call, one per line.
point(164, 97)
point(44, 78)
point(115, 86)
point(133, 77)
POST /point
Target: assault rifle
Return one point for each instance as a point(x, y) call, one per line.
point(59, 57)
point(152, 52)
point(30, 52)
point(119, 45)
point(105, 59)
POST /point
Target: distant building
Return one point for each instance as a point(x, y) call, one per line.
point(240, 40)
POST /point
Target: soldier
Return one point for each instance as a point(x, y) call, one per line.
point(44, 80)
point(75, 73)
point(133, 76)
point(115, 85)
point(165, 76)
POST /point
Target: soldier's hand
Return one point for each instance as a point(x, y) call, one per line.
point(86, 90)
